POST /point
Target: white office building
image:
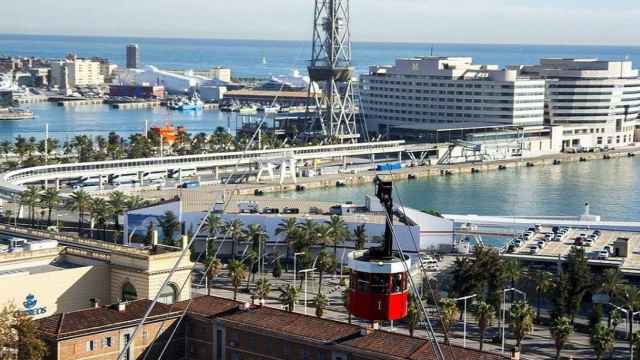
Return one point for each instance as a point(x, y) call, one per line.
point(596, 103)
point(435, 98)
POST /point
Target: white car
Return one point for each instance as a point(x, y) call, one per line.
point(603, 254)
point(533, 250)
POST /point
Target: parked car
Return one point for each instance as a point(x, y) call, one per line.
point(533, 250)
point(603, 254)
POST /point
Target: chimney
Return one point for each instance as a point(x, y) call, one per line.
point(587, 209)
point(95, 303)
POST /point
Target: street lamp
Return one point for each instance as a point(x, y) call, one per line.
point(295, 256)
point(504, 301)
point(306, 271)
point(629, 316)
point(464, 316)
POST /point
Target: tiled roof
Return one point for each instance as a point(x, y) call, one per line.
point(209, 306)
point(405, 347)
point(387, 343)
point(292, 324)
point(452, 352)
point(74, 323)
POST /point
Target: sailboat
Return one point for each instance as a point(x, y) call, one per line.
point(264, 60)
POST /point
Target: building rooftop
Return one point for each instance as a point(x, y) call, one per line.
point(293, 324)
point(99, 319)
point(209, 306)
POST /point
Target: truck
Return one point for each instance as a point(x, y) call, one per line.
point(175, 173)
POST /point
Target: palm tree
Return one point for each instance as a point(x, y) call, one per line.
point(602, 340)
point(7, 216)
point(289, 297)
point(235, 231)
point(413, 315)
point(50, 199)
point(214, 223)
point(513, 271)
point(339, 231)
point(543, 282)
point(630, 296)
point(263, 288)
point(321, 302)
point(485, 313)
point(449, 313)
point(323, 235)
point(561, 329)
point(80, 201)
point(101, 212)
point(287, 228)
point(170, 224)
point(215, 266)
point(612, 282)
point(118, 203)
point(360, 235)
point(237, 273)
point(308, 228)
point(135, 202)
point(30, 198)
point(324, 264)
point(521, 321)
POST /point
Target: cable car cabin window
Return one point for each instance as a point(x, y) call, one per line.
point(398, 282)
point(363, 282)
point(380, 283)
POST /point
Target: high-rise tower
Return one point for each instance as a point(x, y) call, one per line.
point(133, 56)
point(331, 69)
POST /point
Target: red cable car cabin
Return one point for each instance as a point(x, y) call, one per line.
point(378, 286)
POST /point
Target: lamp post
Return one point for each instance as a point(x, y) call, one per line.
point(306, 271)
point(504, 301)
point(464, 317)
point(295, 270)
point(629, 316)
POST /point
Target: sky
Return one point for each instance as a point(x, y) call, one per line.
point(575, 22)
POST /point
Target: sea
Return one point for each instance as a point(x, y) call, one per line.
point(611, 187)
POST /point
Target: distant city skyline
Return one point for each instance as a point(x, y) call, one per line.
point(465, 21)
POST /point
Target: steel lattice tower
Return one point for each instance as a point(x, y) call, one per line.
point(331, 69)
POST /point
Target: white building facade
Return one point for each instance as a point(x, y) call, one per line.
point(439, 93)
point(596, 103)
point(75, 72)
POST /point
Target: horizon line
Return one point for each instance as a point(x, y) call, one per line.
point(156, 37)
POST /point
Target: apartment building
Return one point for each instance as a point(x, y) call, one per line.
point(433, 98)
point(596, 103)
point(215, 328)
point(76, 72)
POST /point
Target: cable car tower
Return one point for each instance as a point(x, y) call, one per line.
point(330, 68)
point(379, 288)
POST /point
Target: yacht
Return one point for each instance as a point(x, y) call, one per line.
point(269, 109)
point(194, 103)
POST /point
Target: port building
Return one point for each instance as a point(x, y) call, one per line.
point(443, 98)
point(595, 102)
point(75, 72)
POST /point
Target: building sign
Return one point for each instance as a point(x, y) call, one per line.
point(31, 306)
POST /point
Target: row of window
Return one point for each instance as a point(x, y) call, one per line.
point(451, 92)
point(539, 108)
point(454, 84)
point(92, 345)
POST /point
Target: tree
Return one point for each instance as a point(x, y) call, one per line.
point(263, 288)
point(485, 313)
point(234, 229)
point(449, 314)
point(118, 203)
point(413, 315)
point(170, 224)
point(324, 264)
point(149, 237)
point(578, 280)
point(30, 198)
point(30, 346)
point(602, 340)
point(513, 271)
point(50, 199)
point(8, 335)
point(630, 296)
point(521, 321)
point(339, 231)
point(462, 283)
point(258, 237)
point(135, 202)
point(101, 210)
point(543, 282)
point(289, 296)
point(611, 283)
point(288, 227)
point(214, 224)
point(360, 235)
point(277, 269)
point(321, 302)
point(323, 235)
point(561, 329)
point(237, 273)
point(215, 266)
point(80, 201)
point(309, 233)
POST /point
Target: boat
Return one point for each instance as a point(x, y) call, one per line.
point(168, 133)
point(269, 109)
point(193, 104)
point(248, 109)
point(15, 114)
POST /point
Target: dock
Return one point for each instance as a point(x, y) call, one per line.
point(136, 105)
point(79, 102)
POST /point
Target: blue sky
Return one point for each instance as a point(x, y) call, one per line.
point(474, 21)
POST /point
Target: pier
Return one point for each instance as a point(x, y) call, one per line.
point(79, 102)
point(136, 105)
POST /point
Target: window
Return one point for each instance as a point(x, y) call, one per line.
point(90, 345)
point(168, 294)
point(219, 344)
point(129, 292)
point(107, 342)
